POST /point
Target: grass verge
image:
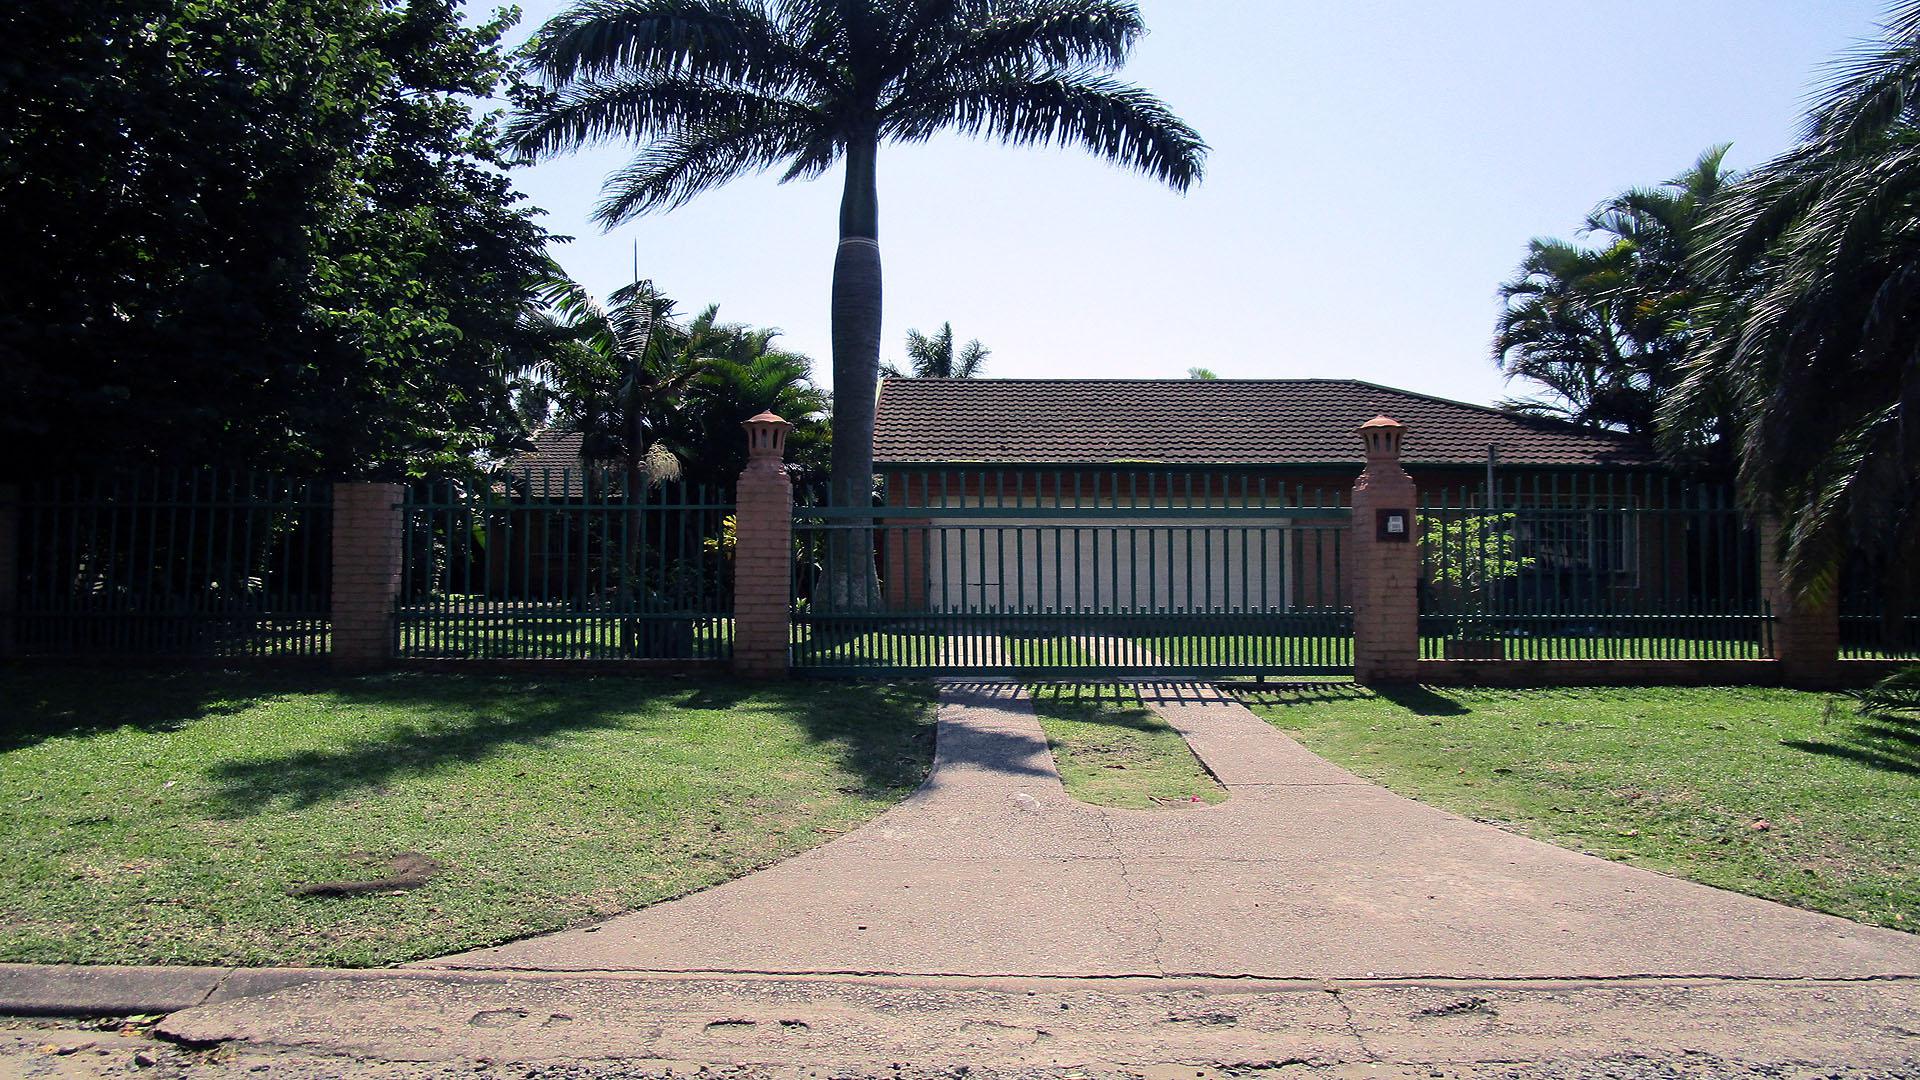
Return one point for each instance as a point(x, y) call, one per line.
point(1113, 751)
point(167, 818)
point(1776, 793)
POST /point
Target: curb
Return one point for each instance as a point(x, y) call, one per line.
point(113, 990)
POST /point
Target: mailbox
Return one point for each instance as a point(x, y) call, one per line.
point(1393, 526)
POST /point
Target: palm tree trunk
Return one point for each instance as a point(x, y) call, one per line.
point(856, 366)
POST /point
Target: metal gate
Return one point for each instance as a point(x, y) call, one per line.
point(1045, 583)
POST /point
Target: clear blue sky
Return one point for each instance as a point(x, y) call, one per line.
point(1377, 170)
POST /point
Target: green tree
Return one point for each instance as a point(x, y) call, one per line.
point(1813, 263)
point(613, 373)
point(1201, 374)
point(1603, 325)
point(664, 398)
point(271, 234)
point(933, 357)
point(715, 89)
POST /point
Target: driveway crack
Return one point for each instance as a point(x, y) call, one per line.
point(1352, 1024)
point(1133, 897)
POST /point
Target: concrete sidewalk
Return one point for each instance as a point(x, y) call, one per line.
point(1305, 872)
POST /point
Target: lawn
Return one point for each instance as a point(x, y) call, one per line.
point(1781, 794)
point(166, 818)
point(1113, 751)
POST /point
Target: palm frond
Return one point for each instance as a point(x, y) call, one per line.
point(735, 41)
point(1116, 121)
point(677, 167)
point(641, 106)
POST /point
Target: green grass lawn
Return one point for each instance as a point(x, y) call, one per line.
point(164, 818)
point(1780, 794)
point(1113, 751)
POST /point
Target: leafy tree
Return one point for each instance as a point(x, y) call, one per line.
point(934, 357)
point(273, 234)
point(716, 89)
point(1604, 327)
point(1201, 374)
point(1813, 267)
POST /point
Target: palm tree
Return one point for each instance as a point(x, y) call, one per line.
point(1814, 260)
point(717, 89)
point(611, 372)
point(1604, 328)
point(934, 358)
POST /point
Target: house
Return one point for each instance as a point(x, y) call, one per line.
point(1176, 470)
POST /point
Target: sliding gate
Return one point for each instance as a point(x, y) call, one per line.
point(1062, 587)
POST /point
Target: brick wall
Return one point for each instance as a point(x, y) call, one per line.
point(367, 540)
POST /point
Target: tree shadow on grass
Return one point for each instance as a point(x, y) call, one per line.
point(882, 734)
point(1115, 705)
point(39, 703)
point(1889, 742)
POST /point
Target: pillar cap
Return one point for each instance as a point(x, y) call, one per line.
point(766, 440)
point(1383, 436)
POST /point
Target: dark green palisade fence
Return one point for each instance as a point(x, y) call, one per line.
point(1590, 566)
point(1872, 627)
point(1074, 573)
point(187, 564)
point(564, 564)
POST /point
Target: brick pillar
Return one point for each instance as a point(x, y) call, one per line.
point(367, 548)
point(1386, 562)
point(763, 552)
point(1806, 632)
point(9, 568)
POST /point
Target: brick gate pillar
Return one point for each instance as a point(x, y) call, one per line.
point(1806, 632)
point(763, 552)
point(367, 547)
point(1386, 562)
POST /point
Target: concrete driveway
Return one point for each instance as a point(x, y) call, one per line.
point(1305, 872)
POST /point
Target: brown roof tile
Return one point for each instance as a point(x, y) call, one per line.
point(1210, 421)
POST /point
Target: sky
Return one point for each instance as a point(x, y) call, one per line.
point(1377, 169)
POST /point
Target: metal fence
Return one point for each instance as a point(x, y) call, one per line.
point(1608, 566)
point(1872, 626)
point(199, 563)
point(1073, 573)
point(566, 564)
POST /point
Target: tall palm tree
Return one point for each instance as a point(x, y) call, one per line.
point(1605, 327)
point(717, 89)
point(933, 357)
point(1815, 263)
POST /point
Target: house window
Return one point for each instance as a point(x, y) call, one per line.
point(1598, 541)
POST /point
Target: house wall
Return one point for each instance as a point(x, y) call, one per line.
point(1294, 560)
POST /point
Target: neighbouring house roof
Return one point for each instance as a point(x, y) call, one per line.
point(1250, 422)
point(551, 450)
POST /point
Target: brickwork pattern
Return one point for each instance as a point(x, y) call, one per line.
point(762, 565)
point(367, 549)
point(1806, 632)
point(1386, 573)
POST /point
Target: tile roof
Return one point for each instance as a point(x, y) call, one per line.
point(1210, 421)
point(551, 450)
